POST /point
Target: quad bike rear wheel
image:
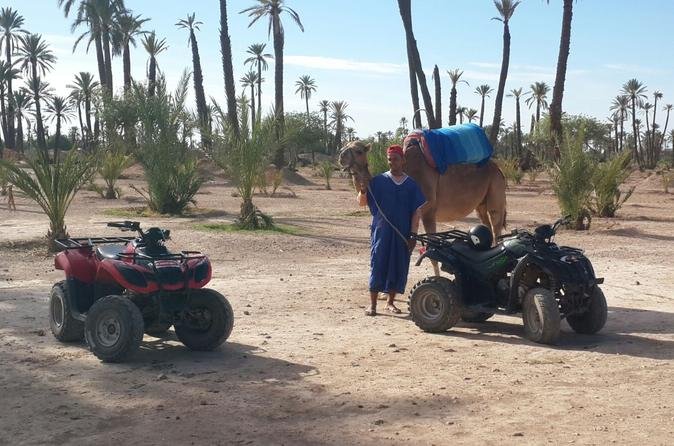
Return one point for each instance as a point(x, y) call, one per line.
point(114, 328)
point(63, 325)
point(434, 304)
point(468, 315)
point(207, 321)
point(540, 314)
point(594, 318)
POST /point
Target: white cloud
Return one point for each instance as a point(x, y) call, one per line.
point(330, 63)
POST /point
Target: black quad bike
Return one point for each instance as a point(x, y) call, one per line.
point(525, 272)
point(118, 288)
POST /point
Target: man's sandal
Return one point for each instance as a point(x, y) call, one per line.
point(371, 312)
point(393, 309)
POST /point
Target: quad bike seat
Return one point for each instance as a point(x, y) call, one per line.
point(109, 251)
point(474, 255)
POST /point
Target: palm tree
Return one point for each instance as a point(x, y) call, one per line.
point(85, 88)
point(258, 58)
point(10, 26)
point(415, 68)
point(36, 57)
point(273, 10)
point(190, 23)
point(338, 118)
point(100, 17)
point(667, 108)
point(506, 9)
point(538, 96)
point(61, 110)
point(454, 77)
point(484, 91)
point(471, 114)
point(438, 95)
point(324, 106)
point(636, 91)
point(128, 27)
point(40, 91)
point(305, 87)
point(250, 80)
point(22, 104)
point(228, 69)
point(620, 105)
point(7, 74)
point(154, 47)
point(461, 112)
point(517, 94)
point(656, 95)
point(560, 76)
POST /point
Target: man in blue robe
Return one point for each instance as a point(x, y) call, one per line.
point(394, 200)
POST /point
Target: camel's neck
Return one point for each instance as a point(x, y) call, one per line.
point(361, 177)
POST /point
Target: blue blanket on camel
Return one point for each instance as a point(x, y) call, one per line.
point(458, 144)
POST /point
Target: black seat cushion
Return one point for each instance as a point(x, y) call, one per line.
point(109, 251)
point(469, 252)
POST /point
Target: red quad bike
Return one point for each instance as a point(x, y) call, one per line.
point(118, 288)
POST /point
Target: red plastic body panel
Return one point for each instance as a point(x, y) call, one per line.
point(77, 263)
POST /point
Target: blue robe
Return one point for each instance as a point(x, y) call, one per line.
point(389, 255)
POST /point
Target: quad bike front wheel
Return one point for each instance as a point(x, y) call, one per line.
point(540, 314)
point(434, 304)
point(114, 328)
point(206, 322)
point(594, 318)
point(63, 325)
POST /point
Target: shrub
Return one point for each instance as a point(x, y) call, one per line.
point(511, 169)
point(376, 157)
point(606, 181)
point(111, 164)
point(52, 185)
point(326, 169)
point(533, 173)
point(170, 168)
point(572, 181)
point(666, 176)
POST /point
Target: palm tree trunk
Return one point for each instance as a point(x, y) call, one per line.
point(228, 71)
point(108, 60)
point(518, 128)
point(41, 143)
point(452, 106)
point(325, 131)
point(87, 117)
point(622, 130)
point(653, 148)
point(252, 107)
point(438, 96)
point(664, 131)
point(482, 110)
point(278, 91)
point(79, 116)
point(406, 14)
point(9, 139)
point(126, 59)
point(200, 96)
point(259, 90)
point(648, 144)
point(101, 62)
point(3, 111)
point(152, 76)
point(560, 77)
point(306, 100)
point(57, 138)
point(496, 123)
point(19, 134)
point(414, 90)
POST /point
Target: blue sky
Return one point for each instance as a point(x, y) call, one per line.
point(355, 50)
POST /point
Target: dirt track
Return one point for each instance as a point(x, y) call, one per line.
point(305, 366)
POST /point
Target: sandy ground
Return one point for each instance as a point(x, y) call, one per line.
point(305, 366)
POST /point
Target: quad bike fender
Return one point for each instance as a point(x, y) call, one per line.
point(77, 263)
point(517, 274)
point(449, 263)
point(126, 275)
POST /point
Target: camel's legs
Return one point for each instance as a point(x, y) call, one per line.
point(428, 219)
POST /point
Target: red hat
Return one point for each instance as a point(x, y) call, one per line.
point(395, 149)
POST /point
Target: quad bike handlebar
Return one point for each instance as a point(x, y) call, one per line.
point(152, 236)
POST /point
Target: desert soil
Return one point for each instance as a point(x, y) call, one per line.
point(305, 366)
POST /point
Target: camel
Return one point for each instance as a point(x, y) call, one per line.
point(451, 196)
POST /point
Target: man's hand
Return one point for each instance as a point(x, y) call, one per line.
point(411, 243)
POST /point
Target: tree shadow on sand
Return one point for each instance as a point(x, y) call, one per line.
point(620, 336)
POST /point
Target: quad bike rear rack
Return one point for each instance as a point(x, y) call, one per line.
point(89, 242)
point(441, 239)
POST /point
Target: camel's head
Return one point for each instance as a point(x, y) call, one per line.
point(353, 158)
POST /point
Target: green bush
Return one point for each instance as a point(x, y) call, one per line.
point(326, 169)
point(606, 181)
point(111, 164)
point(170, 168)
point(52, 185)
point(572, 181)
point(376, 157)
point(511, 169)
